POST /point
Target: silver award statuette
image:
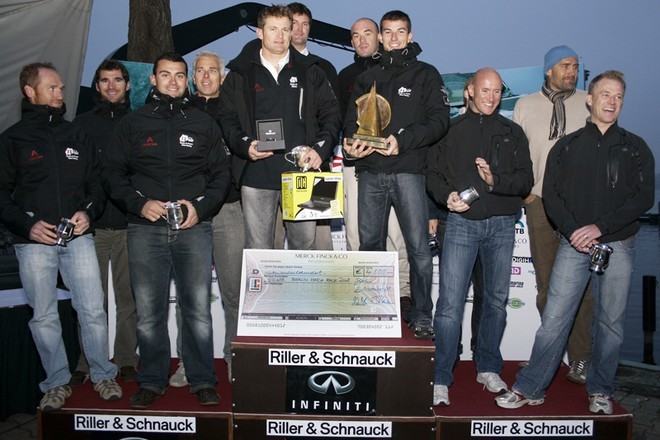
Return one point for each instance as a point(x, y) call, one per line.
point(599, 257)
point(64, 231)
point(174, 215)
point(469, 195)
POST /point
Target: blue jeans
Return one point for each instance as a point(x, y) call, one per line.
point(38, 266)
point(260, 212)
point(570, 275)
point(493, 240)
point(377, 193)
point(154, 252)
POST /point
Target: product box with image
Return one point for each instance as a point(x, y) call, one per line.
point(312, 196)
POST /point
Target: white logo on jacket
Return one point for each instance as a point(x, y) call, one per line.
point(186, 141)
point(404, 92)
point(71, 153)
point(293, 82)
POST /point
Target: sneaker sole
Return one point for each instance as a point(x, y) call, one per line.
point(497, 391)
point(521, 403)
point(575, 379)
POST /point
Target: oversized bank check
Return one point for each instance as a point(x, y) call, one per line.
point(319, 294)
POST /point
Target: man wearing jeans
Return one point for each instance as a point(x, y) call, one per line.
point(394, 176)
point(598, 181)
point(49, 171)
point(169, 151)
point(486, 152)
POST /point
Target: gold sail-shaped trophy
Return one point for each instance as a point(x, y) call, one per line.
point(373, 115)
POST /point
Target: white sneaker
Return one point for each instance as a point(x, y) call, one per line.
point(440, 395)
point(600, 404)
point(492, 382)
point(513, 400)
point(179, 379)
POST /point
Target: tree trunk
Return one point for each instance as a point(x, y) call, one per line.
point(149, 30)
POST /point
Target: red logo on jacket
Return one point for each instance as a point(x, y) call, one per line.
point(35, 156)
point(150, 142)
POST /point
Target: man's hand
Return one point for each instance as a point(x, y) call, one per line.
point(358, 149)
point(191, 219)
point(454, 203)
point(484, 171)
point(81, 220)
point(255, 154)
point(153, 210)
point(392, 147)
point(43, 233)
point(582, 239)
point(310, 160)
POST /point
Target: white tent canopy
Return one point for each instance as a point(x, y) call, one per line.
point(41, 30)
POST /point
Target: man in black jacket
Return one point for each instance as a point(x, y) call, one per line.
point(598, 181)
point(112, 103)
point(270, 81)
point(170, 152)
point(395, 176)
point(486, 153)
point(49, 172)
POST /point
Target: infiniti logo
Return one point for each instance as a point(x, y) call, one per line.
point(321, 382)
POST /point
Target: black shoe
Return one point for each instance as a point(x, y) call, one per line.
point(144, 398)
point(78, 378)
point(422, 330)
point(127, 373)
point(406, 305)
point(207, 397)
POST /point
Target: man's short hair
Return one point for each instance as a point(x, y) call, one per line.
point(299, 9)
point(30, 75)
point(609, 74)
point(394, 16)
point(276, 11)
point(208, 53)
point(170, 56)
point(111, 65)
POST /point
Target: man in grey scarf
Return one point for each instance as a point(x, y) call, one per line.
point(546, 116)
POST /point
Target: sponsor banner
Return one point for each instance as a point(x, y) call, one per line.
point(336, 391)
point(325, 428)
point(100, 422)
point(532, 428)
point(332, 358)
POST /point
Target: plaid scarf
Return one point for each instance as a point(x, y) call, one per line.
point(558, 122)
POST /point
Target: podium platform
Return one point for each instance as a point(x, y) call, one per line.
point(310, 388)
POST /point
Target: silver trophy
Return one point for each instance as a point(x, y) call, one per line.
point(469, 195)
point(64, 231)
point(295, 155)
point(174, 215)
point(599, 257)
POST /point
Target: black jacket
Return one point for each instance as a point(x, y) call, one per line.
point(602, 179)
point(420, 109)
point(99, 124)
point(319, 108)
point(167, 150)
point(347, 77)
point(48, 170)
point(498, 140)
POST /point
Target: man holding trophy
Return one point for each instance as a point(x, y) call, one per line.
point(401, 109)
point(598, 181)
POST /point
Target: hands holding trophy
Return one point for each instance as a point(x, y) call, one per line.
point(373, 115)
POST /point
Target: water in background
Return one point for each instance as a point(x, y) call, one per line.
point(647, 262)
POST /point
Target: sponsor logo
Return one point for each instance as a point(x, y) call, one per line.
point(150, 142)
point(517, 284)
point(403, 91)
point(301, 182)
point(321, 382)
point(35, 156)
point(258, 88)
point(516, 270)
point(186, 141)
point(71, 153)
point(255, 285)
point(516, 303)
point(293, 82)
point(515, 259)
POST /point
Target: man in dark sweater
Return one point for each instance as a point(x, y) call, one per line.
point(111, 104)
point(487, 153)
point(598, 181)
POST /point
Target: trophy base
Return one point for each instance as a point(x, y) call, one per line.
point(371, 141)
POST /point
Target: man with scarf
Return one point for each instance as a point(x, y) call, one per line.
point(394, 176)
point(546, 116)
point(170, 151)
point(112, 103)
